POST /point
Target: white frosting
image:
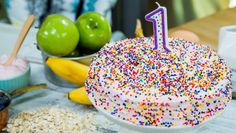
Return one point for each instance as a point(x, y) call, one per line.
point(131, 81)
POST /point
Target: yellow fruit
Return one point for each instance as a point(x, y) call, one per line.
point(139, 30)
point(71, 71)
point(79, 95)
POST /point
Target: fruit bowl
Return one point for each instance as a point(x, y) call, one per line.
point(53, 78)
point(129, 127)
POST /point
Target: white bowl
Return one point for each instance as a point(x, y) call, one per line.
point(152, 129)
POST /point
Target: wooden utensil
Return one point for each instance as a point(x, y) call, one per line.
point(21, 38)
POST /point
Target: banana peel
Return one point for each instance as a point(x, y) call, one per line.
point(80, 96)
point(69, 70)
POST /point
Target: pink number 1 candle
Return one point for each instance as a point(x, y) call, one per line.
point(159, 19)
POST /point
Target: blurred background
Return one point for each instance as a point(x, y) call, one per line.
point(122, 14)
point(179, 12)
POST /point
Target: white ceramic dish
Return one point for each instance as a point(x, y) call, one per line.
point(151, 129)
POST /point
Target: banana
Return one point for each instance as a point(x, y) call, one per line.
point(69, 70)
point(74, 72)
point(139, 29)
point(79, 95)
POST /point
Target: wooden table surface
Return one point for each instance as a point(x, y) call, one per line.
point(207, 28)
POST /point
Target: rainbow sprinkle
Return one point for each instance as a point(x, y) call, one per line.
point(130, 80)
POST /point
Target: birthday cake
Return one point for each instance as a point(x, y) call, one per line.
point(130, 80)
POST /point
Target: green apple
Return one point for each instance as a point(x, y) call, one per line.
point(94, 30)
point(57, 35)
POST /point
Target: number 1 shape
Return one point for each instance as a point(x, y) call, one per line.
point(159, 19)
